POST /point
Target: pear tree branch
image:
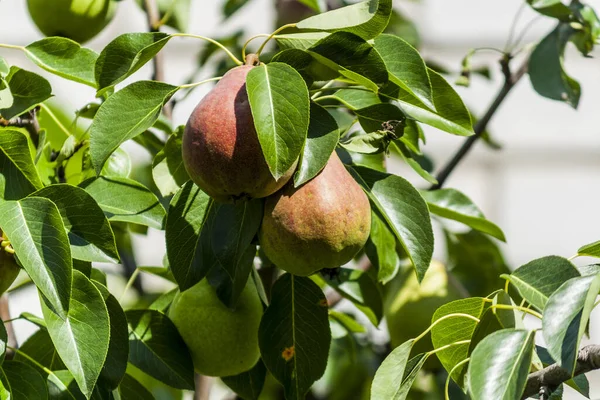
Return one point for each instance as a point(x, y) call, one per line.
point(552, 376)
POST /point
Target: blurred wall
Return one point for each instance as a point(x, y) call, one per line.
point(541, 188)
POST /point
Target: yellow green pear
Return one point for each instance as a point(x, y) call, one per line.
point(8, 267)
point(79, 20)
point(409, 305)
point(222, 342)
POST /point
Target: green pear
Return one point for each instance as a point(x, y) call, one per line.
point(221, 151)
point(8, 268)
point(409, 305)
point(79, 20)
point(222, 342)
point(321, 224)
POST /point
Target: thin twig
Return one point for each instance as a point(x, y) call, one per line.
point(552, 376)
point(204, 386)
point(510, 80)
point(5, 316)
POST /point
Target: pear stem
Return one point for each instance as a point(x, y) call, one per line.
point(265, 35)
point(272, 35)
point(192, 85)
point(219, 45)
point(12, 46)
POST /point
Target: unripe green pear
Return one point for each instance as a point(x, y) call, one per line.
point(79, 20)
point(409, 305)
point(321, 224)
point(8, 268)
point(221, 151)
point(222, 342)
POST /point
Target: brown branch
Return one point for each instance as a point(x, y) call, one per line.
point(552, 376)
point(204, 386)
point(510, 80)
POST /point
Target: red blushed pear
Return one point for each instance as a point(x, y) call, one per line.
point(321, 224)
point(221, 151)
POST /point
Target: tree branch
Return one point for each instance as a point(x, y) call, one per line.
point(510, 80)
point(552, 376)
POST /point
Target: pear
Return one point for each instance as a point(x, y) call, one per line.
point(321, 224)
point(79, 20)
point(221, 151)
point(222, 342)
point(409, 306)
point(9, 270)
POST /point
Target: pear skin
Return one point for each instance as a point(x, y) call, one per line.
point(221, 151)
point(321, 224)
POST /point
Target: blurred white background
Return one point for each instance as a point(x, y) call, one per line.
point(541, 188)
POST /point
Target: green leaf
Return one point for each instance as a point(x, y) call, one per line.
point(360, 288)
point(551, 8)
point(62, 385)
point(294, 334)
point(179, 13)
point(126, 200)
point(4, 67)
point(323, 136)
point(309, 68)
point(248, 385)
point(156, 348)
point(40, 348)
point(230, 7)
point(188, 245)
point(405, 67)
point(23, 381)
point(537, 280)
point(65, 58)
point(131, 389)
point(89, 231)
point(28, 90)
point(546, 70)
point(590, 250)
point(579, 382)
point(393, 379)
point(280, 107)
point(352, 57)
point(163, 272)
point(381, 249)
point(18, 175)
point(82, 337)
point(126, 114)
point(300, 41)
point(356, 99)
point(347, 322)
point(450, 113)
point(115, 364)
point(168, 170)
point(566, 316)
point(118, 165)
point(6, 97)
point(232, 230)
point(367, 143)
point(409, 158)
point(454, 205)
point(125, 55)
point(455, 329)
point(366, 19)
point(37, 233)
point(495, 319)
point(500, 364)
point(404, 210)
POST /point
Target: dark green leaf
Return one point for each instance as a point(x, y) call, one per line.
point(156, 348)
point(352, 57)
point(82, 337)
point(188, 245)
point(404, 210)
point(383, 116)
point(495, 319)
point(126, 200)
point(125, 55)
point(294, 334)
point(537, 280)
point(500, 364)
point(356, 99)
point(37, 233)
point(452, 204)
point(23, 381)
point(366, 19)
point(579, 382)
point(65, 58)
point(168, 170)
point(126, 114)
point(358, 287)
point(280, 106)
point(231, 6)
point(406, 67)
point(18, 175)
point(131, 389)
point(62, 386)
point(546, 71)
point(381, 249)
point(323, 136)
point(551, 8)
point(40, 348)
point(89, 231)
point(115, 364)
point(28, 90)
point(566, 316)
point(248, 385)
point(300, 41)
